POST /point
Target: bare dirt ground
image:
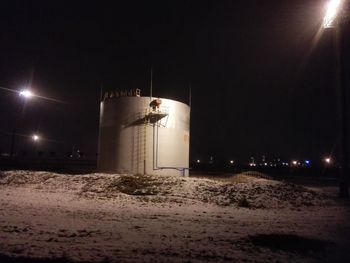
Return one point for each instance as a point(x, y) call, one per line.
point(123, 218)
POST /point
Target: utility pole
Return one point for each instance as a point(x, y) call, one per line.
point(151, 84)
point(336, 19)
point(341, 68)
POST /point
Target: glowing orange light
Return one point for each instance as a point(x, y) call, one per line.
point(327, 160)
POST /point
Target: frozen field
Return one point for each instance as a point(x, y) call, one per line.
point(124, 218)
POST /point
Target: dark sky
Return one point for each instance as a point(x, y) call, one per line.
point(258, 86)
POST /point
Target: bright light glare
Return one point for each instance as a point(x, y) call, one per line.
point(332, 11)
point(35, 137)
point(231, 161)
point(198, 161)
point(327, 160)
point(294, 162)
point(26, 93)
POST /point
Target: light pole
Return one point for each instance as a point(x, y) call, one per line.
point(36, 139)
point(336, 20)
point(24, 94)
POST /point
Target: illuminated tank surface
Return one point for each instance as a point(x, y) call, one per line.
point(137, 138)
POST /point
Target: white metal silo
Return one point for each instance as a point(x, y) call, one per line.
point(137, 138)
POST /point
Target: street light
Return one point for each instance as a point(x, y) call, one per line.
point(332, 11)
point(36, 141)
point(25, 94)
point(335, 17)
point(35, 137)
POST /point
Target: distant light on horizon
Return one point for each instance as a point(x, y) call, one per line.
point(198, 161)
point(332, 10)
point(231, 161)
point(327, 160)
point(35, 137)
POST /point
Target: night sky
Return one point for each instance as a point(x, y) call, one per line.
point(260, 84)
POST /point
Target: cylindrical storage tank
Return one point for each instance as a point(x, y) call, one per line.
point(136, 138)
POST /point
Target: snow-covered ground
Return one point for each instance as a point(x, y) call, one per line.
point(136, 218)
